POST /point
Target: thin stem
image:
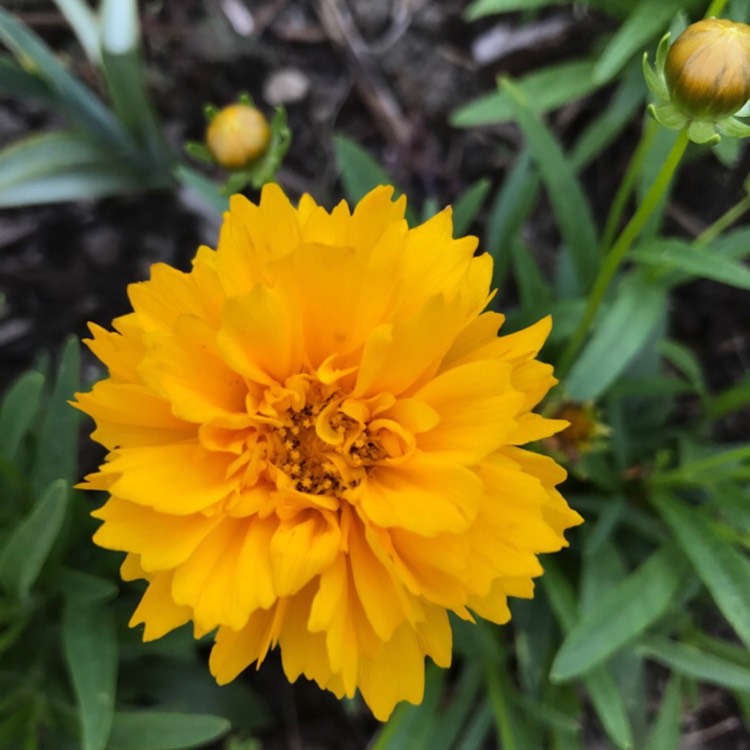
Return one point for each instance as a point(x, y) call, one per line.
point(710, 233)
point(619, 250)
point(714, 10)
point(626, 185)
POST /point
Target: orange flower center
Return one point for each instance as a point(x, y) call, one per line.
point(323, 450)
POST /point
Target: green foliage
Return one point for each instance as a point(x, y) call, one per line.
point(110, 148)
point(60, 603)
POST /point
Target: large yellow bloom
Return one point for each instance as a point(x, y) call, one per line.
point(313, 443)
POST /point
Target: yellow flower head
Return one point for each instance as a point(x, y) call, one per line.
point(237, 135)
point(707, 69)
point(314, 443)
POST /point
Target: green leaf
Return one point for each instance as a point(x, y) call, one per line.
point(152, 730)
point(56, 453)
point(732, 399)
point(694, 262)
point(124, 73)
point(620, 616)
point(680, 357)
point(76, 101)
point(510, 209)
point(466, 208)
point(722, 568)
point(535, 293)
point(90, 649)
point(30, 543)
point(707, 470)
point(620, 334)
point(481, 8)
point(207, 190)
point(19, 408)
point(568, 200)
point(692, 662)
point(609, 706)
point(544, 90)
point(85, 24)
point(17, 83)
point(511, 726)
point(648, 20)
point(665, 732)
point(600, 686)
point(50, 153)
point(360, 173)
point(75, 184)
point(615, 117)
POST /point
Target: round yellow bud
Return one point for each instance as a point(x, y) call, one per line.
point(237, 135)
point(708, 69)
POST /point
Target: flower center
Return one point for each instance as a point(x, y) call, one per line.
point(323, 450)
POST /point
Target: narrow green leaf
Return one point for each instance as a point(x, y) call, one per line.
point(568, 200)
point(721, 567)
point(513, 731)
point(90, 649)
point(731, 501)
point(732, 399)
point(85, 24)
point(152, 730)
point(207, 190)
point(620, 616)
point(46, 154)
point(466, 208)
point(17, 83)
point(56, 453)
point(19, 408)
point(648, 20)
point(29, 545)
point(535, 293)
point(617, 115)
point(514, 202)
point(692, 662)
point(665, 732)
point(706, 470)
point(544, 90)
point(600, 686)
point(685, 361)
point(481, 8)
point(619, 336)
point(694, 262)
point(72, 185)
point(609, 706)
point(360, 173)
point(73, 97)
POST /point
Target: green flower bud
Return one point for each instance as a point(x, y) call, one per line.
point(707, 70)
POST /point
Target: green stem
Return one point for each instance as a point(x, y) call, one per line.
point(626, 185)
point(619, 250)
point(708, 235)
point(714, 10)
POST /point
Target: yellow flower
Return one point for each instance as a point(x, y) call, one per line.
point(237, 135)
point(314, 443)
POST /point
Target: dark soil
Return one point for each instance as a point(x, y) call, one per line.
point(386, 74)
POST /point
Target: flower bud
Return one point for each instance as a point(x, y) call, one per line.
point(237, 135)
point(707, 69)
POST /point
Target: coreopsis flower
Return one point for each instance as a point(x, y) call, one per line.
point(315, 443)
point(702, 81)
